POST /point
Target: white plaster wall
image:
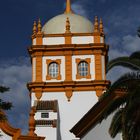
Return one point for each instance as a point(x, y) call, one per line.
point(49, 132)
point(34, 69)
point(4, 136)
point(53, 40)
point(33, 99)
point(89, 135)
point(52, 115)
point(103, 67)
point(100, 132)
point(62, 68)
point(101, 39)
point(34, 41)
point(70, 112)
point(82, 39)
point(92, 67)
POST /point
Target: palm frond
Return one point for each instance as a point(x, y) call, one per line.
point(104, 95)
point(133, 64)
point(135, 55)
point(134, 128)
point(5, 105)
point(116, 123)
point(128, 80)
point(111, 107)
point(132, 114)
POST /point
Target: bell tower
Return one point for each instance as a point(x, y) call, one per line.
point(69, 57)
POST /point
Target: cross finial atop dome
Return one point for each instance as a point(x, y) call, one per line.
point(68, 7)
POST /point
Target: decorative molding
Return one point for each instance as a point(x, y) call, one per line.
point(39, 68)
point(34, 30)
point(68, 38)
point(96, 25)
point(32, 123)
point(9, 130)
point(72, 34)
point(47, 123)
point(74, 49)
point(33, 61)
point(38, 93)
point(98, 67)
point(68, 67)
point(67, 26)
point(96, 85)
point(68, 93)
point(31, 138)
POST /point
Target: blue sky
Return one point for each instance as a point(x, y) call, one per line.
point(121, 20)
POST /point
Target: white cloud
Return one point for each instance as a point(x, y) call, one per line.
point(79, 9)
point(116, 73)
point(131, 43)
point(123, 46)
point(15, 77)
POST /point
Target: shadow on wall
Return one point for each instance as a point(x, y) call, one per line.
point(58, 124)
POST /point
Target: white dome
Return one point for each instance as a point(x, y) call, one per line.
point(78, 24)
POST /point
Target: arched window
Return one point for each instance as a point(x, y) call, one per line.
point(53, 70)
point(83, 69)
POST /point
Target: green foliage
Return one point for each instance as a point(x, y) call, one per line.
point(116, 125)
point(127, 62)
point(3, 89)
point(126, 107)
point(4, 105)
point(139, 32)
point(135, 55)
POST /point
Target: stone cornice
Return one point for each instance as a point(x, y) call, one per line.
point(92, 48)
point(62, 86)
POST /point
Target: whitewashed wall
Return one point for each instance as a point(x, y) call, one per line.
point(48, 132)
point(70, 112)
point(53, 40)
point(4, 136)
point(34, 41)
point(61, 40)
point(103, 68)
point(82, 39)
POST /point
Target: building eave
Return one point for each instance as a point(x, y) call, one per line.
point(93, 116)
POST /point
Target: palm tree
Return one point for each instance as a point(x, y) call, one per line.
point(127, 106)
point(139, 31)
point(4, 105)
